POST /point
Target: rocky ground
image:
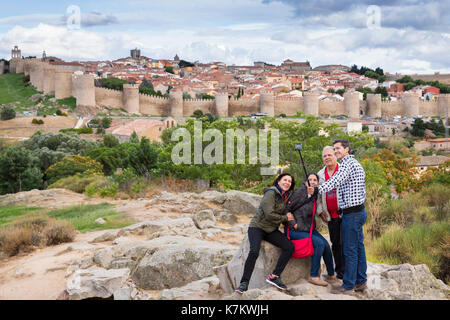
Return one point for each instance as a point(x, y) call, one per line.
point(183, 246)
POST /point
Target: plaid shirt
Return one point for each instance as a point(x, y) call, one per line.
point(350, 178)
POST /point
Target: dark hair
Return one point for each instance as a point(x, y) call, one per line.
point(312, 173)
point(275, 182)
point(345, 143)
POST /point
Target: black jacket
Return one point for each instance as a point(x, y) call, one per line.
point(302, 208)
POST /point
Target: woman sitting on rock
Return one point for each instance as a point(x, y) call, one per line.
point(264, 226)
point(301, 204)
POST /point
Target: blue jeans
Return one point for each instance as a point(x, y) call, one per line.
point(321, 248)
point(353, 247)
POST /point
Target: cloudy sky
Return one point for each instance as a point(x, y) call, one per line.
point(409, 36)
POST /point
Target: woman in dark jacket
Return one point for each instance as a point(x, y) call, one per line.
point(301, 205)
point(264, 226)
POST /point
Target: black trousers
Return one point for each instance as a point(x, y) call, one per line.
point(335, 230)
point(255, 237)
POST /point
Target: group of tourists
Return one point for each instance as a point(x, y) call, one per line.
point(336, 194)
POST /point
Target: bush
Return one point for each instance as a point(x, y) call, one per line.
point(7, 113)
point(76, 183)
point(78, 131)
point(38, 231)
point(416, 245)
point(70, 166)
point(36, 121)
point(104, 187)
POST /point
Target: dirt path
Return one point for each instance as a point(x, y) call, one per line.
point(42, 274)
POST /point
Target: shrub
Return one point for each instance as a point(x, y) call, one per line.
point(7, 113)
point(37, 121)
point(79, 130)
point(70, 166)
point(76, 183)
point(416, 244)
point(37, 231)
point(104, 187)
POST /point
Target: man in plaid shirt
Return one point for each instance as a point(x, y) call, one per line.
point(350, 178)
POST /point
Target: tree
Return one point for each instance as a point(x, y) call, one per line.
point(382, 91)
point(198, 114)
point(169, 70)
point(19, 170)
point(111, 83)
point(142, 157)
point(7, 113)
point(146, 84)
point(110, 141)
point(106, 122)
point(134, 137)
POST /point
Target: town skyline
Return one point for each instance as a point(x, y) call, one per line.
point(410, 37)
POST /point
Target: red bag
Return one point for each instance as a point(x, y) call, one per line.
point(303, 247)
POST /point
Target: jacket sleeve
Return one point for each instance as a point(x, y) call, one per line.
point(268, 207)
point(298, 199)
point(335, 181)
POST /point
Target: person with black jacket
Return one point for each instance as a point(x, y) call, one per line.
point(264, 226)
point(301, 205)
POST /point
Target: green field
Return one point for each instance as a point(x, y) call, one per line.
point(82, 217)
point(12, 89)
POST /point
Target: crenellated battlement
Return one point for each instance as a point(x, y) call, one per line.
point(64, 83)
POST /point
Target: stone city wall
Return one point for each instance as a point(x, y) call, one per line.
point(63, 83)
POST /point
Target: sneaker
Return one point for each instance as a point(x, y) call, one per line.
point(243, 286)
point(361, 287)
point(341, 290)
point(276, 281)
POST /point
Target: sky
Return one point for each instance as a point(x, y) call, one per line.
point(409, 36)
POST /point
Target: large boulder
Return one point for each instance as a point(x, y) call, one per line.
point(403, 282)
point(231, 273)
point(95, 282)
point(163, 227)
point(200, 289)
point(240, 202)
point(177, 261)
point(204, 219)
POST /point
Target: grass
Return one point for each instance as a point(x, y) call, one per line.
point(22, 229)
point(82, 217)
point(12, 89)
point(10, 213)
point(417, 244)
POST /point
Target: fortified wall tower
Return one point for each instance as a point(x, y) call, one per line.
point(311, 103)
point(49, 79)
point(63, 83)
point(373, 105)
point(267, 103)
point(351, 102)
point(84, 88)
point(130, 97)
point(410, 104)
point(176, 103)
point(221, 104)
point(444, 105)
